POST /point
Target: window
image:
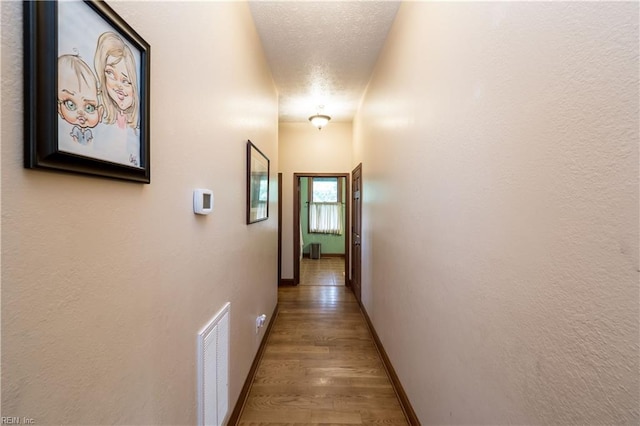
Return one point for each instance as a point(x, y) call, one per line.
point(325, 206)
point(325, 190)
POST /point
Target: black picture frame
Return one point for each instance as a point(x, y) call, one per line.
point(258, 169)
point(90, 48)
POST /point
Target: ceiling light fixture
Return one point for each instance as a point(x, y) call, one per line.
point(319, 120)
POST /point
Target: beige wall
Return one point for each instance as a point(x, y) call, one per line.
point(106, 283)
point(499, 144)
point(305, 149)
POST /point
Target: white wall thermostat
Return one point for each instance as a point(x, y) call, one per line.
point(202, 201)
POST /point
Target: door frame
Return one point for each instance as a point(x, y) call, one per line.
point(356, 266)
point(279, 228)
point(296, 223)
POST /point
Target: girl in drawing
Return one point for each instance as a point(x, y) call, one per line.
point(116, 70)
point(115, 67)
point(78, 98)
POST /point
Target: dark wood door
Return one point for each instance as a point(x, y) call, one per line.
point(356, 227)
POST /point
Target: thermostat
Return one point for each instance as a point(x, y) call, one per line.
point(202, 201)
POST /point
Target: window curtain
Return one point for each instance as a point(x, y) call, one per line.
point(261, 210)
point(325, 218)
point(301, 241)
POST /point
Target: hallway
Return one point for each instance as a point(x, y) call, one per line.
point(497, 150)
point(320, 364)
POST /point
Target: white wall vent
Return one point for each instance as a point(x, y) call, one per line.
point(213, 370)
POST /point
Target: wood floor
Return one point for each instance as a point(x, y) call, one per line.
point(324, 271)
point(320, 365)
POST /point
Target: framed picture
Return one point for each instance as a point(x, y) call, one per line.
point(86, 91)
point(257, 184)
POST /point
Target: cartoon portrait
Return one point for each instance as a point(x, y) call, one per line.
point(99, 106)
point(87, 90)
point(116, 70)
point(78, 97)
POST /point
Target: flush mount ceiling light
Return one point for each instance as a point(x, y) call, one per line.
point(319, 120)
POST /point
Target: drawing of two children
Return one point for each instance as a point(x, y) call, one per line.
point(109, 96)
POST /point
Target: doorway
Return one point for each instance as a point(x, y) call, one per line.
point(301, 206)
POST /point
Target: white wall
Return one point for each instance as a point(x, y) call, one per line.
point(105, 284)
point(499, 144)
point(305, 149)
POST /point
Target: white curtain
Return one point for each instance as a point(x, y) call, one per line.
point(325, 218)
point(301, 241)
point(262, 209)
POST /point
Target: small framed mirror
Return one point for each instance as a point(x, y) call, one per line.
point(257, 184)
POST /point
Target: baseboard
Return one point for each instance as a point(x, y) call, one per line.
point(306, 255)
point(411, 416)
point(286, 282)
point(244, 393)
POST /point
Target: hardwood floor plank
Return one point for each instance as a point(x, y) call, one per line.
point(325, 363)
point(271, 402)
point(382, 416)
point(300, 389)
point(355, 384)
point(339, 417)
point(285, 414)
point(347, 356)
point(346, 372)
point(363, 403)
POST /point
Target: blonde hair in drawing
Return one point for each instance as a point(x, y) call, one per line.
point(116, 70)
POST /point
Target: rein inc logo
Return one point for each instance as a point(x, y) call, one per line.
point(5, 420)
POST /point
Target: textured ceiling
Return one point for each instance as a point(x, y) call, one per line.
point(322, 53)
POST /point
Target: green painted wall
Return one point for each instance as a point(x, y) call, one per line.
point(330, 243)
